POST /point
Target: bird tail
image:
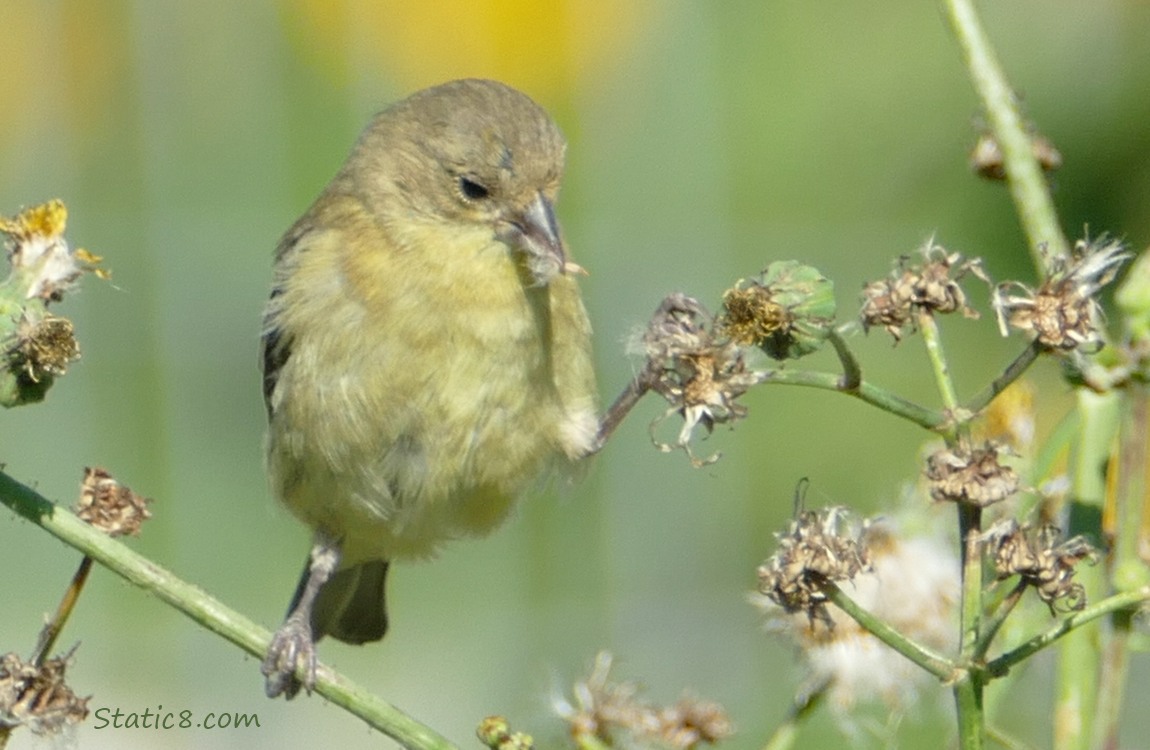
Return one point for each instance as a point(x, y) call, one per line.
point(351, 606)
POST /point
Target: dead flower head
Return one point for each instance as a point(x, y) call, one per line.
point(932, 285)
point(987, 160)
point(787, 311)
point(1042, 561)
point(603, 708)
point(970, 475)
point(816, 548)
point(1063, 313)
point(110, 506)
point(40, 256)
point(43, 347)
point(699, 373)
point(37, 697)
point(911, 583)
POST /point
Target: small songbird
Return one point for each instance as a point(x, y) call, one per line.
point(426, 353)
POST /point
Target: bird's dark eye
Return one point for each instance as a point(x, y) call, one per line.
point(472, 190)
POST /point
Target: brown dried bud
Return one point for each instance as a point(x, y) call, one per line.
point(700, 374)
point(37, 697)
point(692, 721)
point(933, 286)
point(972, 476)
point(986, 157)
point(814, 550)
point(602, 707)
point(1063, 313)
point(110, 506)
point(44, 347)
point(1042, 561)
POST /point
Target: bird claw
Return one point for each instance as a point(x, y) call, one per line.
point(291, 661)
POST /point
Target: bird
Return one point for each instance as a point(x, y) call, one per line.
point(426, 353)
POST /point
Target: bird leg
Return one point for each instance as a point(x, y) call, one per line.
point(291, 661)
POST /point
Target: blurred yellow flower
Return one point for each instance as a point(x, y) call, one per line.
point(540, 47)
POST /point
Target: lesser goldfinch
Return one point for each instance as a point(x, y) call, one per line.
point(426, 353)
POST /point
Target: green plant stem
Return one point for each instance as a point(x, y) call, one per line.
point(208, 612)
point(968, 691)
point(992, 625)
point(1079, 657)
point(932, 338)
point(785, 734)
point(590, 742)
point(968, 703)
point(1028, 186)
point(936, 664)
point(1127, 600)
point(1126, 500)
point(852, 373)
point(1013, 372)
point(929, 419)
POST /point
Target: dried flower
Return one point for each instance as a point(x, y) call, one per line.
point(1042, 561)
point(970, 475)
point(43, 347)
point(603, 708)
point(1063, 313)
point(911, 584)
point(110, 506)
point(698, 373)
point(40, 255)
point(816, 548)
point(987, 160)
point(788, 311)
point(933, 286)
point(36, 696)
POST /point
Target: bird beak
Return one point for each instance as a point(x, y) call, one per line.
point(536, 232)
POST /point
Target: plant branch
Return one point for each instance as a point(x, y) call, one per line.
point(929, 419)
point(1126, 600)
point(208, 612)
point(1013, 372)
point(936, 664)
point(1028, 186)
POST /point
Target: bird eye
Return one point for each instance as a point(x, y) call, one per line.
point(472, 190)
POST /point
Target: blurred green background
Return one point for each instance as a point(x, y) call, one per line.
point(706, 139)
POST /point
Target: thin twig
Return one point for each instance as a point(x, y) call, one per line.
point(51, 631)
point(929, 419)
point(1012, 373)
point(209, 612)
point(1028, 186)
point(1126, 600)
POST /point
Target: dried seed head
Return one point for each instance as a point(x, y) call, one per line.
point(1063, 313)
point(692, 721)
point(913, 585)
point(37, 696)
point(110, 506)
point(1042, 561)
point(603, 708)
point(973, 476)
point(815, 549)
point(986, 157)
point(43, 347)
point(700, 374)
point(788, 311)
point(932, 285)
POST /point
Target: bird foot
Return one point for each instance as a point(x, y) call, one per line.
point(291, 661)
